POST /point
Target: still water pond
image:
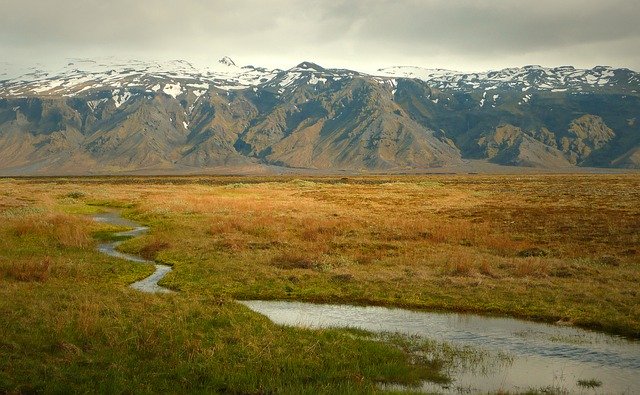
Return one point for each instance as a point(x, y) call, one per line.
point(540, 356)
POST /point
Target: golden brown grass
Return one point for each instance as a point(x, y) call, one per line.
point(67, 230)
point(151, 249)
point(34, 269)
point(479, 243)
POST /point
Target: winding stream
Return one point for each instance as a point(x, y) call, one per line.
point(540, 356)
point(149, 284)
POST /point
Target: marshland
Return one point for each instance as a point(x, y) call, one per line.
point(558, 249)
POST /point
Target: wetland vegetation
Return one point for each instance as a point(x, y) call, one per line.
point(554, 248)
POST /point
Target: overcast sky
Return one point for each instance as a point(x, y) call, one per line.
point(471, 35)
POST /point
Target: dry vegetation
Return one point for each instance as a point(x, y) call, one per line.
point(552, 248)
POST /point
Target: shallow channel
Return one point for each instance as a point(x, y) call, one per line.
point(148, 284)
point(540, 356)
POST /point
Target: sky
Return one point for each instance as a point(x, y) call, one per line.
point(471, 35)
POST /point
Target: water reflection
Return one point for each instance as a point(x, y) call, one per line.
point(542, 355)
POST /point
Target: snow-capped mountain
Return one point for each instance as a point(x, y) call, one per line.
point(558, 79)
point(307, 73)
point(173, 77)
point(109, 116)
point(81, 75)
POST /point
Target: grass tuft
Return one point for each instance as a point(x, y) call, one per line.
point(75, 195)
point(67, 230)
point(293, 260)
point(31, 270)
point(150, 250)
point(532, 252)
point(590, 383)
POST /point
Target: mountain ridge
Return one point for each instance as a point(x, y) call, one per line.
point(130, 116)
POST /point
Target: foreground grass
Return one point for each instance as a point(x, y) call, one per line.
point(119, 342)
point(70, 323)
point(549, 248)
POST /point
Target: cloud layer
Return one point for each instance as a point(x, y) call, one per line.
point(363, 34)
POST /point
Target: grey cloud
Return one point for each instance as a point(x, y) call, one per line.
point(357, 33)
point(476, 26)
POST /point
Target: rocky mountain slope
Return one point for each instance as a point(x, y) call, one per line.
point(97, 117)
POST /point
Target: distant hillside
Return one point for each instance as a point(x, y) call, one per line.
point(107, 117)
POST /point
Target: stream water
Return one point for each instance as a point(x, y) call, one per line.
point(538, 356)
point(148, 284)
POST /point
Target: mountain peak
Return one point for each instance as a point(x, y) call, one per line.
point(227, 61)
point(309, 66)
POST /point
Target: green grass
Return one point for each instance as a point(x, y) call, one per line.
point(73, 325)
point(140, 343)
point(70, 323)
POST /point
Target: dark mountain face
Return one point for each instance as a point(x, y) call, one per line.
point(175, 118)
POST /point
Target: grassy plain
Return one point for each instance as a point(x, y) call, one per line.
point(551, 248)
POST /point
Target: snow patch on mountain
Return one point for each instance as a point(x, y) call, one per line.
point(316, 80)
point(173, 90)
point(120, 97)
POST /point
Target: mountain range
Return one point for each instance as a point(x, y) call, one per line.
point(111, 117)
